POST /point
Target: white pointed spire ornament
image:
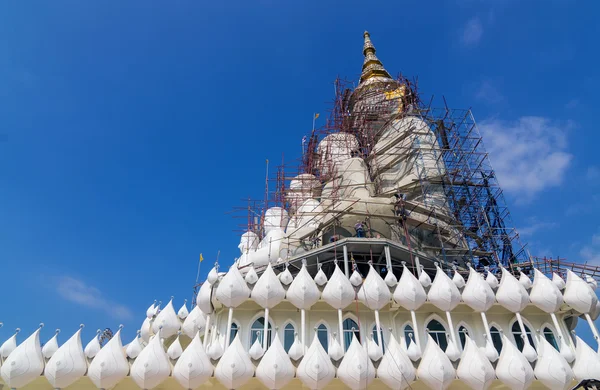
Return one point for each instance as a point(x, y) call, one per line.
point(551, 368)
point(213, 274)
point(193, 368)
point(134, 347)
point(297, 349)
point(335, 350)
point(524, 280)
point(491, 279)
point(275, 369)
point(475, 369)
point(355, 278)
point(452, 350)
point(256, 350)
point(479, 296)
point(374, 351)
point(175, 350)
point(183, 311)
point(110, 365)
point(356, 369)
point(390, 279)
point(146, 329)
point(395, 369)
point(150, 312)
point(67, 364)
point(581, 297)
point(215, 350)
point(235, 367)
point(512, 295)
point(51, 346)
point(411, 295)
point(513, 369)
point(303, 293)
point(316, 370)
point(25, 363)
point(558, 281)
point(203, 300)
point(194, 323)
point(152, 366)
point(268, 291)
point(9, 345)
point(167, 321)
point(435, 369)
point(546, 295)
point(320, 277)
point(286, 276)
point(93, 347)
point(375, 294)
point(413, 351)
point(458, 279)
point(338, 293)
point(251, 276)
point(424, 278)
point(232, 290)
point(587, 361)
point(444, 294)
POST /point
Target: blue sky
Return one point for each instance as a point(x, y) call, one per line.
point(130, 129)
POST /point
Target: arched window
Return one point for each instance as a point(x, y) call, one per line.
point(233, 332)
point(289, 333)
point(462, 333)
point(322, 334)
point(496, 338)
point(549, 335)
point(257, 331)
point(376, 337)
point(438, 333)
point(350, 327)
point(408, 332)
point(516, 331)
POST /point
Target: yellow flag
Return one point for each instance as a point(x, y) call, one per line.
point(316, 116)
point(201, 258)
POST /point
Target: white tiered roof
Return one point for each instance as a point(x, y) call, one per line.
point(149, 363)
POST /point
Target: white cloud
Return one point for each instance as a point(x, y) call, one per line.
point(528, 155)
point(535, 227)
point(472, 32)
point(79, 292)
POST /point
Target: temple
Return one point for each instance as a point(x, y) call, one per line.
point(384, 258)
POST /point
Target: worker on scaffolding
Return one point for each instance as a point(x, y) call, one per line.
point(400, 209)
point(360, 229)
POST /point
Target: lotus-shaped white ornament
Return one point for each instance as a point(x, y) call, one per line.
point(152, 365)
point(475, 369)
point(356, 369)
point(513, 369)
point(67, 364)
point(167, 321)
point(435, 369)
point(235, 367)
point(110, 365)
point(25, 363)
point(275, 369)
point(316, 370)
point(395, 369)
point(193, 368)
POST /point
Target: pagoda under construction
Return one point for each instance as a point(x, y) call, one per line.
point(385, 258)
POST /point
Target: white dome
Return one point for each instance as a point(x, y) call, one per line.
point(334, 149)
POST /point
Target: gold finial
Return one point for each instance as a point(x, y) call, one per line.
point(371, 66)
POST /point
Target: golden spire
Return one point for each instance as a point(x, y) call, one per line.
point(372, 66)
